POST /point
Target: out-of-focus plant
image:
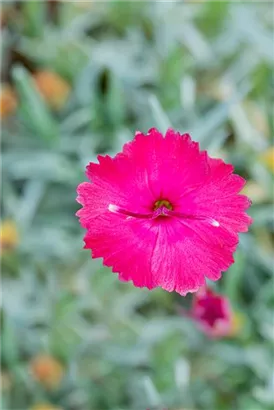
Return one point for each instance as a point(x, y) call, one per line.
point(203, 68)
point(9, 235)
point(47, 371)
point(52, 87)
point(45, 406)
point(8, 101)
point(268, 158)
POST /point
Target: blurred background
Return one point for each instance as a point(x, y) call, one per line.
point(78, 78)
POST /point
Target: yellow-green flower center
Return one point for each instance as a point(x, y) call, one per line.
point(162, 202)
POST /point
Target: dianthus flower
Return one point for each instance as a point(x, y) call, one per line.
point(163, 213)
point(212, 313)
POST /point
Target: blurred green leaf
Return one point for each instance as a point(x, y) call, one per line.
point(9, 349)
point(34, 16)
point(33, 108)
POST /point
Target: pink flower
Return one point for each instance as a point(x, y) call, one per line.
point(213, 313)
point(163, 213)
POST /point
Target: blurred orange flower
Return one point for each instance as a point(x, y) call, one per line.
point(47, 371)
point(45, 406)
point(53, 88)
point(9, 236)
point(8, 101)
point(268, 158)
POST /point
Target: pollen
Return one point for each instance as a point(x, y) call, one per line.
point(163, 202)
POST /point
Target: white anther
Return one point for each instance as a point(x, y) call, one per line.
point(113, 208)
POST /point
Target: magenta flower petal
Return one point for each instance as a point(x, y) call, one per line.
point(163, 213)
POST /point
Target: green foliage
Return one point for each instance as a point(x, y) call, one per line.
point(204, 68)
point(32, 108)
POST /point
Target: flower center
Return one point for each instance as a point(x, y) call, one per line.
point(162, 202)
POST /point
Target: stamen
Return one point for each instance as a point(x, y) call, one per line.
point(162, 203)
point(215, 223)
point(162, 210)
point(113, 208)
point(117, 210)
point(181, 215)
